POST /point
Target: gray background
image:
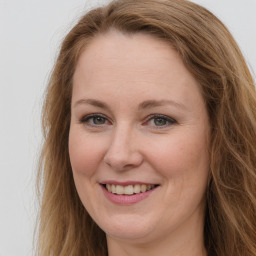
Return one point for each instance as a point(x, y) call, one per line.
point(31, 32)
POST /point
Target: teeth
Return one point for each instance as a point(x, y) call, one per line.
point(128, 190)
point(113, 189)
point(143, 188)
point(119, 189)
point(136, 189)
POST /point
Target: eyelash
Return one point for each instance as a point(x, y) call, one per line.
point(86, 119)
point(169, 121)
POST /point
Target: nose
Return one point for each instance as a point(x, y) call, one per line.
point(123, 152)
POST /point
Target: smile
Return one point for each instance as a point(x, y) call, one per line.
point(129, 189)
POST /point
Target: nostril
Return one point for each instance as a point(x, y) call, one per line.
point(121, 161)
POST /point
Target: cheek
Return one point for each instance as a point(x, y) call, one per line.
point(183, 161)
point(85, 153)
point(182, 157)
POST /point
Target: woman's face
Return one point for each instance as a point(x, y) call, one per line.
point(138, 139)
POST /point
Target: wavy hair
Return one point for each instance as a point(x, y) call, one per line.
point(212, 56)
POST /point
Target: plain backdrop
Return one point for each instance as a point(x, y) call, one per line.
point(30, 35)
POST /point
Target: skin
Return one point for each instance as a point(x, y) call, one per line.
point(129, 144)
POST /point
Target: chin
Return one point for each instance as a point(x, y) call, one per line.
point(128, 228)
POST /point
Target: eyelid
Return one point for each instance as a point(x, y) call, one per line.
point(86, 118)
point(171, 121)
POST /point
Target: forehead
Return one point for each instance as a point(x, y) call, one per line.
point(133, 50)
point(136, 64)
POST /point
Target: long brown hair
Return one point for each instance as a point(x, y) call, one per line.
point(210, 53)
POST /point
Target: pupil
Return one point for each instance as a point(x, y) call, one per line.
point(159, 121)
point(99, 120)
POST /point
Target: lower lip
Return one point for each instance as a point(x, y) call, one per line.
point(126, 199)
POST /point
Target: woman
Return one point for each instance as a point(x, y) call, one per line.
point(150, 133)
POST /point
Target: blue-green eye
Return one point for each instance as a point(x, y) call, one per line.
point(98, 120)
point(94, 120)
point(159, 121)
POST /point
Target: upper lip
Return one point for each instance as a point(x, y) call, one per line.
point(126, 183)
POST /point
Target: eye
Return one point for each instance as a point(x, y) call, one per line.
point(95, 120)
point(159, 121)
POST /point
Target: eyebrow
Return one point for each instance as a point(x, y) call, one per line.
point(92, 102)
point(158, 103)
point(144, 105)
